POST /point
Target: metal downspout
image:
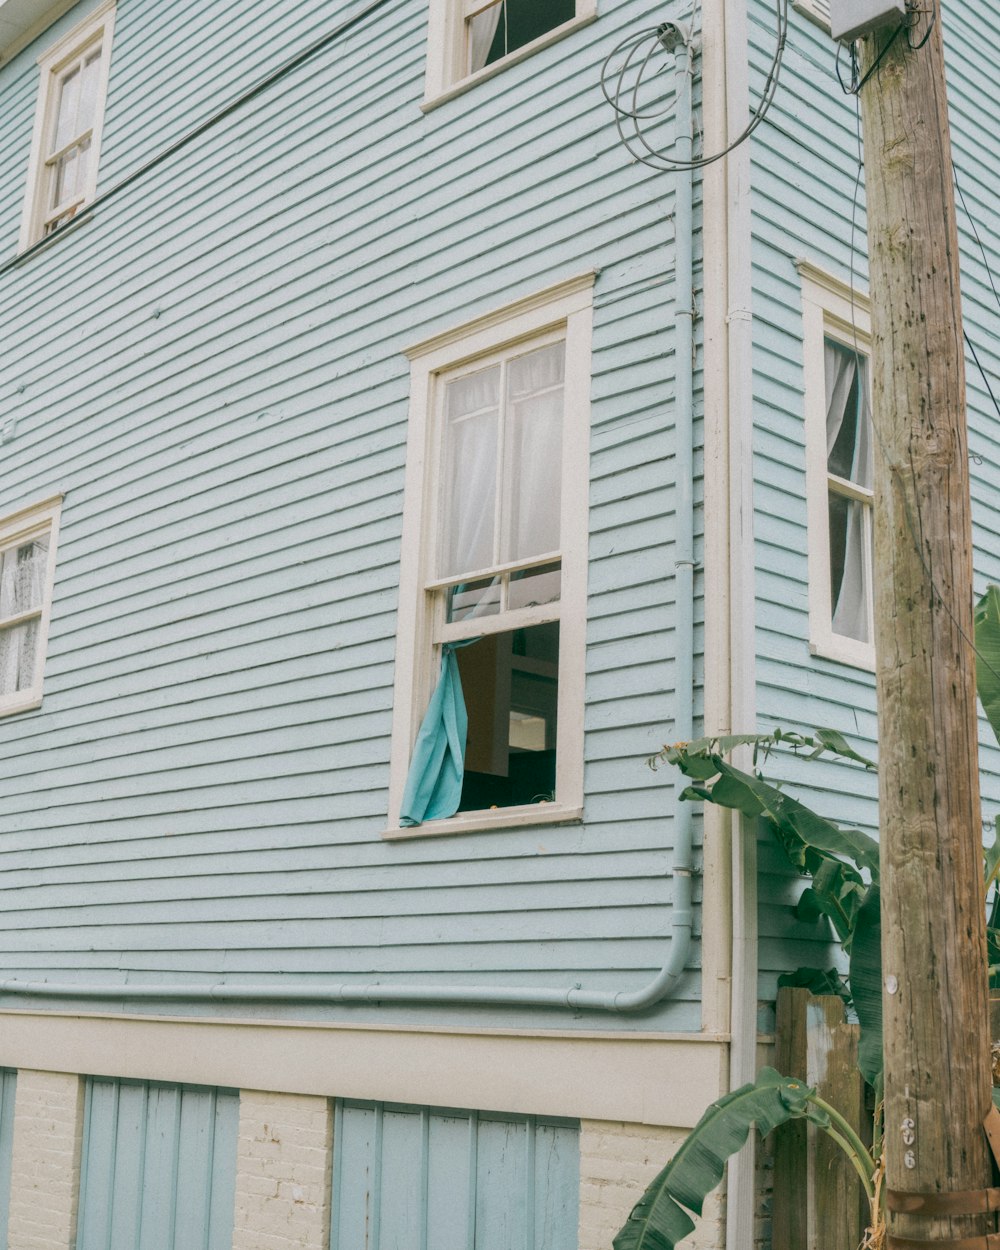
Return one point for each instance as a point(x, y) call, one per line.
point(678, 39)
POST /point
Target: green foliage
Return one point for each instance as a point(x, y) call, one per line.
point(865, 979)
point(660, 1219)
point(816, 981)
point(987, 623)
point(842, 862)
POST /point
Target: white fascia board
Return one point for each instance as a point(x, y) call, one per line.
point(23, 20)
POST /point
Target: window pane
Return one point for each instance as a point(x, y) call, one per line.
point(848, 428)
point(471, 415)
point(88, 92)
point(22, 577)
point(474, 599)
point(67, 177)
point(510, 24)
point(18, 656)
point(850, 593)
point(534, 470)
point(511, 687)
point(530, 587)
point(69, 101)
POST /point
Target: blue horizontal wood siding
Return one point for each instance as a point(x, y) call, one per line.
point(211, 370)
point(423, 1178)
point(159, 1167)
point(805, 166)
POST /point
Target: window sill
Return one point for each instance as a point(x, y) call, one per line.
point(458, 88)
point(845, 651)
point(84, 216)
point(486, 822)
point(27, 701)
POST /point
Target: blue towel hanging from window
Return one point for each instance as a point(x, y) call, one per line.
point(433, 788)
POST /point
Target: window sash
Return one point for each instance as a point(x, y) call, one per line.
point(507, 470)
point(85, 52)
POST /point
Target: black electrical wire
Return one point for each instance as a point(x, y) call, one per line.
point(613, 85)
point(857, 83)
point(237, 102)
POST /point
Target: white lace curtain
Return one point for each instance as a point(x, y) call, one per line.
point(851, 598)
point(482, 29)
point(532, 416)
point(22, 587)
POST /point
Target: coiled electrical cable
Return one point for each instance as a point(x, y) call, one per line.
point(624, 86)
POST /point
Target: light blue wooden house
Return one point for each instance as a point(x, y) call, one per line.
point(389, 465)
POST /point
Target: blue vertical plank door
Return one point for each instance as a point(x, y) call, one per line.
point(159, 1167)
point(8, 1085)
point(422, 1178)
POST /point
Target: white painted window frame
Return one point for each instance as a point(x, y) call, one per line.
point(97, 27)
point(561, 311)
point(830, 310)
point(36, 520)
point(446, 75)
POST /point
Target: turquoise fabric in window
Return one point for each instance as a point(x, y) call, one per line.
point(433, 788)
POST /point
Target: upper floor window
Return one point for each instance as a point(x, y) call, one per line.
point(27, 571)
point(839, 468)
point(490, 640)
point(62, 175)
point(849, 488)
point(470, 39)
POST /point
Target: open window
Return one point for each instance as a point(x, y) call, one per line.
point(69, 119)
point(27, 570)
point(489, 683)
point(470, 39)
point(839, 468)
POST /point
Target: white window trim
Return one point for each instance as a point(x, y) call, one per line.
point(445, 75)
point(830, 310)
point(567, 307)
point(97, 25)
point(32, 522)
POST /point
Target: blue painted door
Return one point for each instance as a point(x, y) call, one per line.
point(159, 1167)
point(422, 1178)
point(8, 1084)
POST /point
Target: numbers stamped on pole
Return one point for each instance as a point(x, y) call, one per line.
point(908, 1131)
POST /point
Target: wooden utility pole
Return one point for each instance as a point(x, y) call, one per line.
point(937, 1072)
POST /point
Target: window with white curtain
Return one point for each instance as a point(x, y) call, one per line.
point(839, 468)
point(469, 38)
point(494, 559)
point(849, 470)
point(27, 568)
point(69, 119)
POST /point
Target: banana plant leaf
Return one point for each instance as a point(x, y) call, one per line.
point(991, 869)
point(837, 892)
point(798, 828)
point(661, 1217)
point(816, 981)
point(865, 980)
point(987, 623)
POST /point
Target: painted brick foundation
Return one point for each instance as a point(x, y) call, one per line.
point(283, 1172)
point(45, 1166)
point(617, 1162)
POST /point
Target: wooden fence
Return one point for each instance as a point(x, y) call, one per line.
point(818, 1202)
